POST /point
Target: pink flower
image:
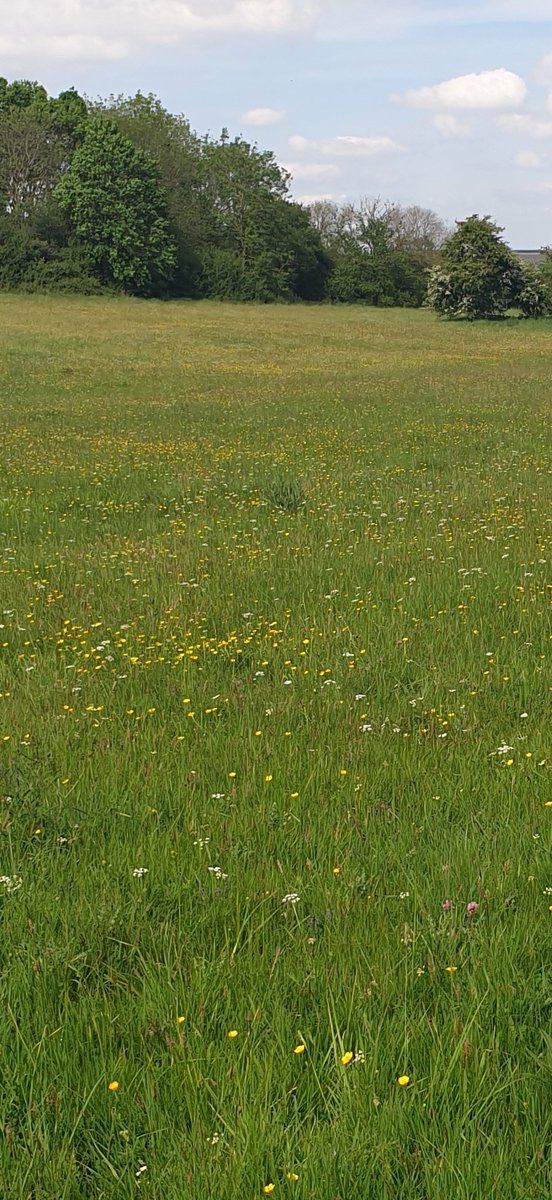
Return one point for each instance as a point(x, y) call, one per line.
point(471, 908)
point(446, 905)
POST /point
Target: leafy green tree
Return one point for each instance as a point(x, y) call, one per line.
point(478, 276)
point(171, 143)
point(116, 208)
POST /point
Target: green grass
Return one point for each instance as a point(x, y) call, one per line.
point(273, 595)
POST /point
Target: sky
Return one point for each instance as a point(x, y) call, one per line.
point(442, 103)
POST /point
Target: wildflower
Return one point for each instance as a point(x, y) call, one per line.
point(180, 1020)
point(232, 774)
point(268, 1188)
point(291, 898)
point(140, 1171)
point(451, 970)
point(292, 1176)
point(446, 905)
point(336, 871)
point(347, 1058)
point(404, 895)
point(232, 1033)
point(548, 803)
point(11, 883)
point(342, 771)
point(217, 872)
point(113, 1086)
point(300, 1049)
point(268, 778)
point(139, 872)
point(403, 1080)
point(471, 908)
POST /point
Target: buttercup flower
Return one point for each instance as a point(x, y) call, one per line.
point(403, 1080)
point(347, 1058)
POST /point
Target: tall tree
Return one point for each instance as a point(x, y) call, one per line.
point(116, 208)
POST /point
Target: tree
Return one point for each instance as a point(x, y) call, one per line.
point(478, 276)
point(171, 143)
point(31, 158)
point(116, 208)
point(379, 252)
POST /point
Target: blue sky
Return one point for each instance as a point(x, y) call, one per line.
point(443, 103)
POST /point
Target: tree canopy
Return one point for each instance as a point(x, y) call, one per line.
point(122, 194)
point(478, 276)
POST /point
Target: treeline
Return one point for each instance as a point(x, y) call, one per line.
point(121, 194)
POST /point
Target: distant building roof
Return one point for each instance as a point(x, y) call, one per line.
point(534, 256)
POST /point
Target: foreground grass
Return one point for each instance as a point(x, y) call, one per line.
point(273, 761)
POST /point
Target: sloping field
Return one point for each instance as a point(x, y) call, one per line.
point(276, 810)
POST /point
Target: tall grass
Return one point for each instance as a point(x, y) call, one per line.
point(274, 754)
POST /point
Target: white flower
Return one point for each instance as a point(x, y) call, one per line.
point(139, 872)
point(361, 696)
point(365, 728)
point(11, 883)
point(217, 796)
point(504, 749)
point(290, 899)
point(217, 872)
point(404, 895)
point(140, 1171)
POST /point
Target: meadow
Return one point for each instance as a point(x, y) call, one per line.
point(275, 799)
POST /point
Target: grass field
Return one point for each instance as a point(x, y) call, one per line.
point(275, 796)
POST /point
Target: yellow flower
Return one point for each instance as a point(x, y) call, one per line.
point(300, 1049)
point(293, 795)
point(231, 774)
point(232, 1033)
point(548, 803)
point(451, 970)
point(113, 1086)
point(180, 1020)
point(336, 871)
point(342, 772)
point(268, 1188)
point(291, 1175)
point(403, 1080)
point(268, 778)
point(347, 1058)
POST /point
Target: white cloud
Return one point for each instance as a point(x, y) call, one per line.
point(69, 29)
point(449, 126)
point(312, 170)
point(525, 125)
point(347, 145)
point(485, 90)
point(40, 31)
point(527, 160)
point(315, 197)
point(543, 72)
point(263, 116)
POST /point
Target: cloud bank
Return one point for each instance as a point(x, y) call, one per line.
point(92, 30)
